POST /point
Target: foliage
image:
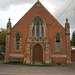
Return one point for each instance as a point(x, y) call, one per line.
point(73, 39)
point(0, 54)
point(2, 38)
point(48, 64)
point(12, 62)
point(51, 64)
point(42, 64)
point(32, 64)
point(52, 61)
point(58, 63)
point(6, 62)
point(25, 62)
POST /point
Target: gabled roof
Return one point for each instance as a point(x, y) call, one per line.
point(38, 3)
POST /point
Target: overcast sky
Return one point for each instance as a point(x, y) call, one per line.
point(15, 9)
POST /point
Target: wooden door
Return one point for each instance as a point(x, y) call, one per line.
point(37, 53)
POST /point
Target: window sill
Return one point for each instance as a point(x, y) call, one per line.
point(17, 51)
point(58, 52)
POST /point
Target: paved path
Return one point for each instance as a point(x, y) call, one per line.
point(8, 69)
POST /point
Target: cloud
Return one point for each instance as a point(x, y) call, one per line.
point(15, 13)
point(5, 4)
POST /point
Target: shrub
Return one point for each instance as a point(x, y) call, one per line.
point(0, 54)
point(58, 63)
point(44, 62)
point(52, 61)
point(12, 62)
point(47, 64)
point(51, 64)
point(25, 62)
point(6, 62)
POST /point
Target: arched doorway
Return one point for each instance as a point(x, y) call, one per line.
point(37, 53)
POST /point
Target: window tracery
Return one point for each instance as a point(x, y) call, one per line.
point(37, 27)
point(17, 41)
point(58, 42)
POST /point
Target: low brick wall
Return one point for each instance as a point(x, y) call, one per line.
point(73, 56)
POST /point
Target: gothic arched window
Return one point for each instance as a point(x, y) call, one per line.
point(58, 42)
point(37, 27)
point(17, 41)
point(57, 38)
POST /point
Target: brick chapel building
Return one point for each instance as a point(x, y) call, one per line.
point(38, 37)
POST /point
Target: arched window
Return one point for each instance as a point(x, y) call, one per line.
point(37, 27)
point(57, 38)
point(58, 42)
point(17, 41)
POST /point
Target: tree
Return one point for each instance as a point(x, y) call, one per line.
point(2, 37)
point(73, 39)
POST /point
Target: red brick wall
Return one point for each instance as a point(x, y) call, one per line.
point(72, 54)
point(61, 60)
point(52, 26)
